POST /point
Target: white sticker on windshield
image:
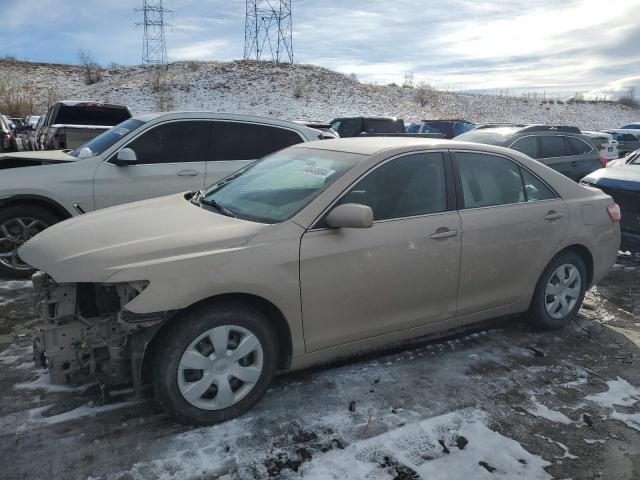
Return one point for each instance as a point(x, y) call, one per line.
point(122, 131)
point(318, 172)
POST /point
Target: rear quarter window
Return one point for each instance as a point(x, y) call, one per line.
point(580, 147)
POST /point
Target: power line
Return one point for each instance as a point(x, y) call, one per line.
point(268, 32)
point(154, 48)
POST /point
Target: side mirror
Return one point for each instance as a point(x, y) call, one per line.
point(125, 157)
point(350, 215)
point(85, 153)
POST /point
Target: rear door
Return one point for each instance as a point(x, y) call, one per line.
point(512, 222)
point(237, 144)
point(570, 156)
point(171, 158)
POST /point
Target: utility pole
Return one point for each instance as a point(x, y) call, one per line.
point(154, 48)
point(268, 33)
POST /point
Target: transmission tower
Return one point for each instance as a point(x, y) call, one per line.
point(154, 49)
point(268, 32)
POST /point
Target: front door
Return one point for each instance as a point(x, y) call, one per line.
point(400, 273)
point(512, 223)
point(171, 159)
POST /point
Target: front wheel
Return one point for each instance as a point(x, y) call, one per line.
point(560, 291)
point(214, 363)
point(18, 224)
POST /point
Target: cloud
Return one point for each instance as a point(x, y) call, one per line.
point(617, 88)
point(206, 50)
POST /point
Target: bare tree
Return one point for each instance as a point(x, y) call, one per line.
point(92, 71)
point(408, 80)
point(16, 98)
point(424, 94)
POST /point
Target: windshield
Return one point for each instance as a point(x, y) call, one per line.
point(91, 114)
point(275, 188)
point(634, 158)
point(108, 138)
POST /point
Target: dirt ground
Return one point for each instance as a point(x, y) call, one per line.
point(501, 401)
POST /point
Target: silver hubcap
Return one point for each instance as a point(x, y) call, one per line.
point(563, 290)
point(220, 367)
point(13, 233)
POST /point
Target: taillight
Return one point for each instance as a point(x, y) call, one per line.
point(614, 212)
point(603, 161)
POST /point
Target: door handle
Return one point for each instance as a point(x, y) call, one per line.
point(443, 233)
point(552, 215)
point(187, 173)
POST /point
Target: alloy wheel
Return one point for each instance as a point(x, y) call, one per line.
point(220, 367)
point(562, 291)
point(13, 233)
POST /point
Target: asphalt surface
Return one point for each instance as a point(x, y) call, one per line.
point(499, 401)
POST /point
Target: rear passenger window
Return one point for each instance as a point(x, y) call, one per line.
point(489, 180)
point(553, 146)
point(528, 146)
point(282, 138)
point(404, 187)
point(235, 141)
point(580, 147)
point(535, 189)
point(246, 141)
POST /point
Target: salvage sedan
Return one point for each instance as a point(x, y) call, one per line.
point(316, 252)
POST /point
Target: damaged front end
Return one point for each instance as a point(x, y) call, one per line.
point(85, 331)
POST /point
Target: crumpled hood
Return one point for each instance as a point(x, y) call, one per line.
point(95, 246)
point(624, 177)
point(37, 158)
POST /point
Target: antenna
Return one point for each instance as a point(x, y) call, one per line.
point(154, 48)
point(268, 32)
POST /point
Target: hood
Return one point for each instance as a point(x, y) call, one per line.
point(622, 177)
point(96, 246)
point(27, 159)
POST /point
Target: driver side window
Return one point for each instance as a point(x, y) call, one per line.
point(408, 186)
point(175, 142)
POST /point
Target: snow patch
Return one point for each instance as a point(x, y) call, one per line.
point(620, 393)
point(540, 410)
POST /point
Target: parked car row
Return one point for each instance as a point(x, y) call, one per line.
point(69, 124)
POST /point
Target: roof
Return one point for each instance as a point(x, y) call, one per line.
point(180, 114)
point(371, 145)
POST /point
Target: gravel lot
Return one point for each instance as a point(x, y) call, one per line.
point(502, 401)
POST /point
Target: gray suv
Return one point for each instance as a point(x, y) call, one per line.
point(562, 148)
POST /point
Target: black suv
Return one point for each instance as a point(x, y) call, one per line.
point(562, 148)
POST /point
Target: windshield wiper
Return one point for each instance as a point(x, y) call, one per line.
point(212, 203)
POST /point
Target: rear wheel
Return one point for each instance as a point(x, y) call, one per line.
point(559, 292)
point(214, 363)
point(17, 225)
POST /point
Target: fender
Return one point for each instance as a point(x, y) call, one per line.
point(52, 205)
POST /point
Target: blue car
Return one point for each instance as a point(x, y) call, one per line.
point(632, 126)
point(622, 182)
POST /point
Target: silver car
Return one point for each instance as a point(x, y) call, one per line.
point(319, 251)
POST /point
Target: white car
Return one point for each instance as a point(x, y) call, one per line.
point(625, 160)
point(143, 157)
point(607, 146)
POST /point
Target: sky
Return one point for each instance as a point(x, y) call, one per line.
point(558, 47)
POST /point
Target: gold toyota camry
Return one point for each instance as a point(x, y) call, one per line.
point(315, 252)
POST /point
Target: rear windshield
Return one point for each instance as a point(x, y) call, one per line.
point(110, 137)
point(91, 114)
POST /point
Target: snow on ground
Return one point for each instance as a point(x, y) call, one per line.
point(269, 89)
point(456, 445)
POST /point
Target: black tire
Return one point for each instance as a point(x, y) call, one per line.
point(22, 211)
point(538, 313)
point(182, 331)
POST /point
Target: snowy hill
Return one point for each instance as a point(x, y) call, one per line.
point(291, 92)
